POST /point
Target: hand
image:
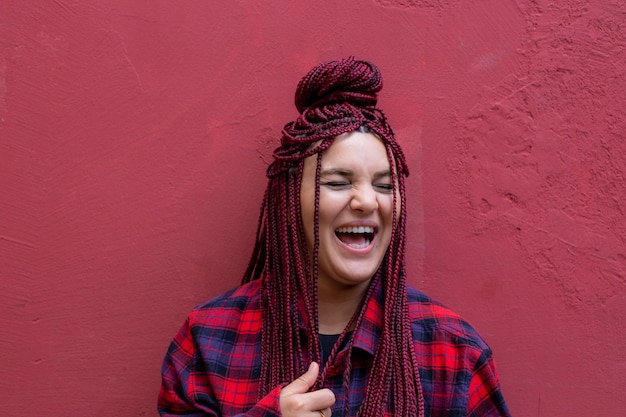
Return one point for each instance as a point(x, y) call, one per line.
point(296, 401)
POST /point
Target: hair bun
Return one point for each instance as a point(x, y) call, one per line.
point(345, 80)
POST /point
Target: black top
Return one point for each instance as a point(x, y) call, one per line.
point(327, 342)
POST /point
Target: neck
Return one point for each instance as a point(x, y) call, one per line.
point(336, 306)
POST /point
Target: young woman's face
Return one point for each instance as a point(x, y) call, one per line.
point(355, 209)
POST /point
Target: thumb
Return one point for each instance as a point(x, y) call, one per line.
point(304, 381)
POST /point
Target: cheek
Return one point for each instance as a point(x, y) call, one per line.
point(307, 208)
point(307, 211)
point(398, 207)
point(386, 208)
point(307, 198)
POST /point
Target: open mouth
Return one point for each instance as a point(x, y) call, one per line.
point(357, 237)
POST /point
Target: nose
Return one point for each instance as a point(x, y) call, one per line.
point(364, 199)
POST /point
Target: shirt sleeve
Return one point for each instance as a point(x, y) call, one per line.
point(485, 395)
point(185, 388)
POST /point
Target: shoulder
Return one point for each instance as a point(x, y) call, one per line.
point(233, 309)
point(456, 367)
point(434, 322)
point(236, 298)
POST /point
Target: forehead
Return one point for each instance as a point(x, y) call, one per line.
point(356, 148)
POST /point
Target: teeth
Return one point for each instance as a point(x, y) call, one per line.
point(361, 246)
point(356, 229)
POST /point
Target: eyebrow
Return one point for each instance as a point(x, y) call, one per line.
point(348, 173)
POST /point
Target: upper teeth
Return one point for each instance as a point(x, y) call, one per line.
point(356, 229)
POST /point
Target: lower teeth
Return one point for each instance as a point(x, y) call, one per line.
point(359, 246)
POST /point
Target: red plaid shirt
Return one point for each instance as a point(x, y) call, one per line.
point(212, 367)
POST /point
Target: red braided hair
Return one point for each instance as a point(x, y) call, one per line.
point(333, 98)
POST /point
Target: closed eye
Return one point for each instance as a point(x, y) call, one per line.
point(337, 185)
point(385, 188)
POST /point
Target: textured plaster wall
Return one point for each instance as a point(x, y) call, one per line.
point(133, 142)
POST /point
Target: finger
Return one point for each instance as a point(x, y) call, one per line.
point(304, 381)
point(320, 399)
point(327, 412)
point(308, 404)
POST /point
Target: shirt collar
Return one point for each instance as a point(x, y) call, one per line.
point(367, 335)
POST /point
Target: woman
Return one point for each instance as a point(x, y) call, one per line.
point(324, 322)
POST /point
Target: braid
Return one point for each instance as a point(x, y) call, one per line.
point(313, 300)
point(334, 98)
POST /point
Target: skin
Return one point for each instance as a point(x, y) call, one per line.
point(355, 190)
point(295, 400)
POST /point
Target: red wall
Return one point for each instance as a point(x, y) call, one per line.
point(133, 141)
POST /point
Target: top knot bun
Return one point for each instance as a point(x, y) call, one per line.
point(346, 80)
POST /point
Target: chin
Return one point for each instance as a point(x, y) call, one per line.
point(354, 278)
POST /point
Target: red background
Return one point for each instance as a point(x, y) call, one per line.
point(134, 137)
